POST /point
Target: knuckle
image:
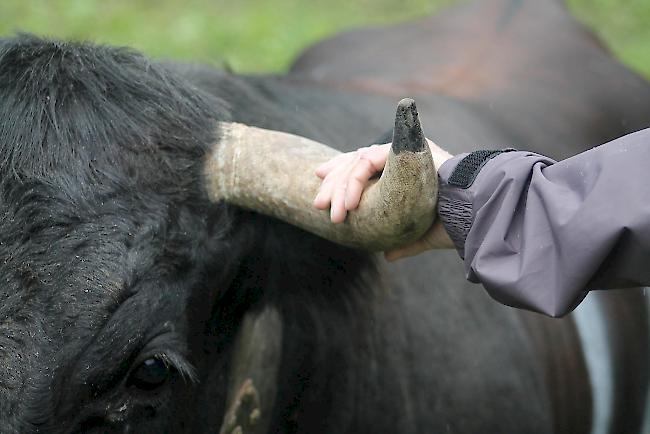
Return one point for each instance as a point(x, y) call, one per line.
point(365, 163)
point(362, 152)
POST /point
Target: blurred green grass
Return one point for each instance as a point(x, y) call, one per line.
point(265, 35)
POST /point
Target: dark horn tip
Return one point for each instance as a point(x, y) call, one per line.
point(408, 135)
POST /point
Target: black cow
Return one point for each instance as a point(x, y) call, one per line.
point(132, 302)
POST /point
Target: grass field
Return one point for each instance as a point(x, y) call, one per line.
point(265, 35)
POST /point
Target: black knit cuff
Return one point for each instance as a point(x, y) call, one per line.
point(468, 168)
point(456, 216)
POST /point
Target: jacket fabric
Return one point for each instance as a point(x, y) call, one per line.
point(539, 234)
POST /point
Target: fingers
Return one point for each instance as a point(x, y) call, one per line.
point(324, 169)
point(357, 181)
point(371, 161)
point(324, 196)
point(332, 191)
point(345, 177)
point(376, 155)
point(337, 208)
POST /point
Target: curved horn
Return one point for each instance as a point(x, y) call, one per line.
point(272, 173)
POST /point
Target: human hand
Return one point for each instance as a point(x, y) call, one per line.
point(345, 177)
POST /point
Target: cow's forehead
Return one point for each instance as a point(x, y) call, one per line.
point(59, 275)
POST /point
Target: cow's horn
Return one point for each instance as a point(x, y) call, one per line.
point(272, 172)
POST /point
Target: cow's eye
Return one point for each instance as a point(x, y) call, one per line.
point(150, 374)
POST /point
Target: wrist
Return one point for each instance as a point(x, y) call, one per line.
point(439, 155)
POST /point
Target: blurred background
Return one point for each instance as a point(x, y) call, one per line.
point(265, 35)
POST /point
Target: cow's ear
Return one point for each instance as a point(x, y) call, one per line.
point(254, 368)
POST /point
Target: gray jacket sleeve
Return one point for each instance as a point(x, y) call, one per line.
point(540, 234)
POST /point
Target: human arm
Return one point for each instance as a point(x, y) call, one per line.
point(539, 234)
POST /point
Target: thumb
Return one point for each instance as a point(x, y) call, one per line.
point(410, 250)
point(435, 238)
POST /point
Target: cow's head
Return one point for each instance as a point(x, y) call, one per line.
point(134, 296)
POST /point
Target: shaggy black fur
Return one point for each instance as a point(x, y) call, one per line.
point(111, 252)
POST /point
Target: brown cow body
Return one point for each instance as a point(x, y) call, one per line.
point(537, 80)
